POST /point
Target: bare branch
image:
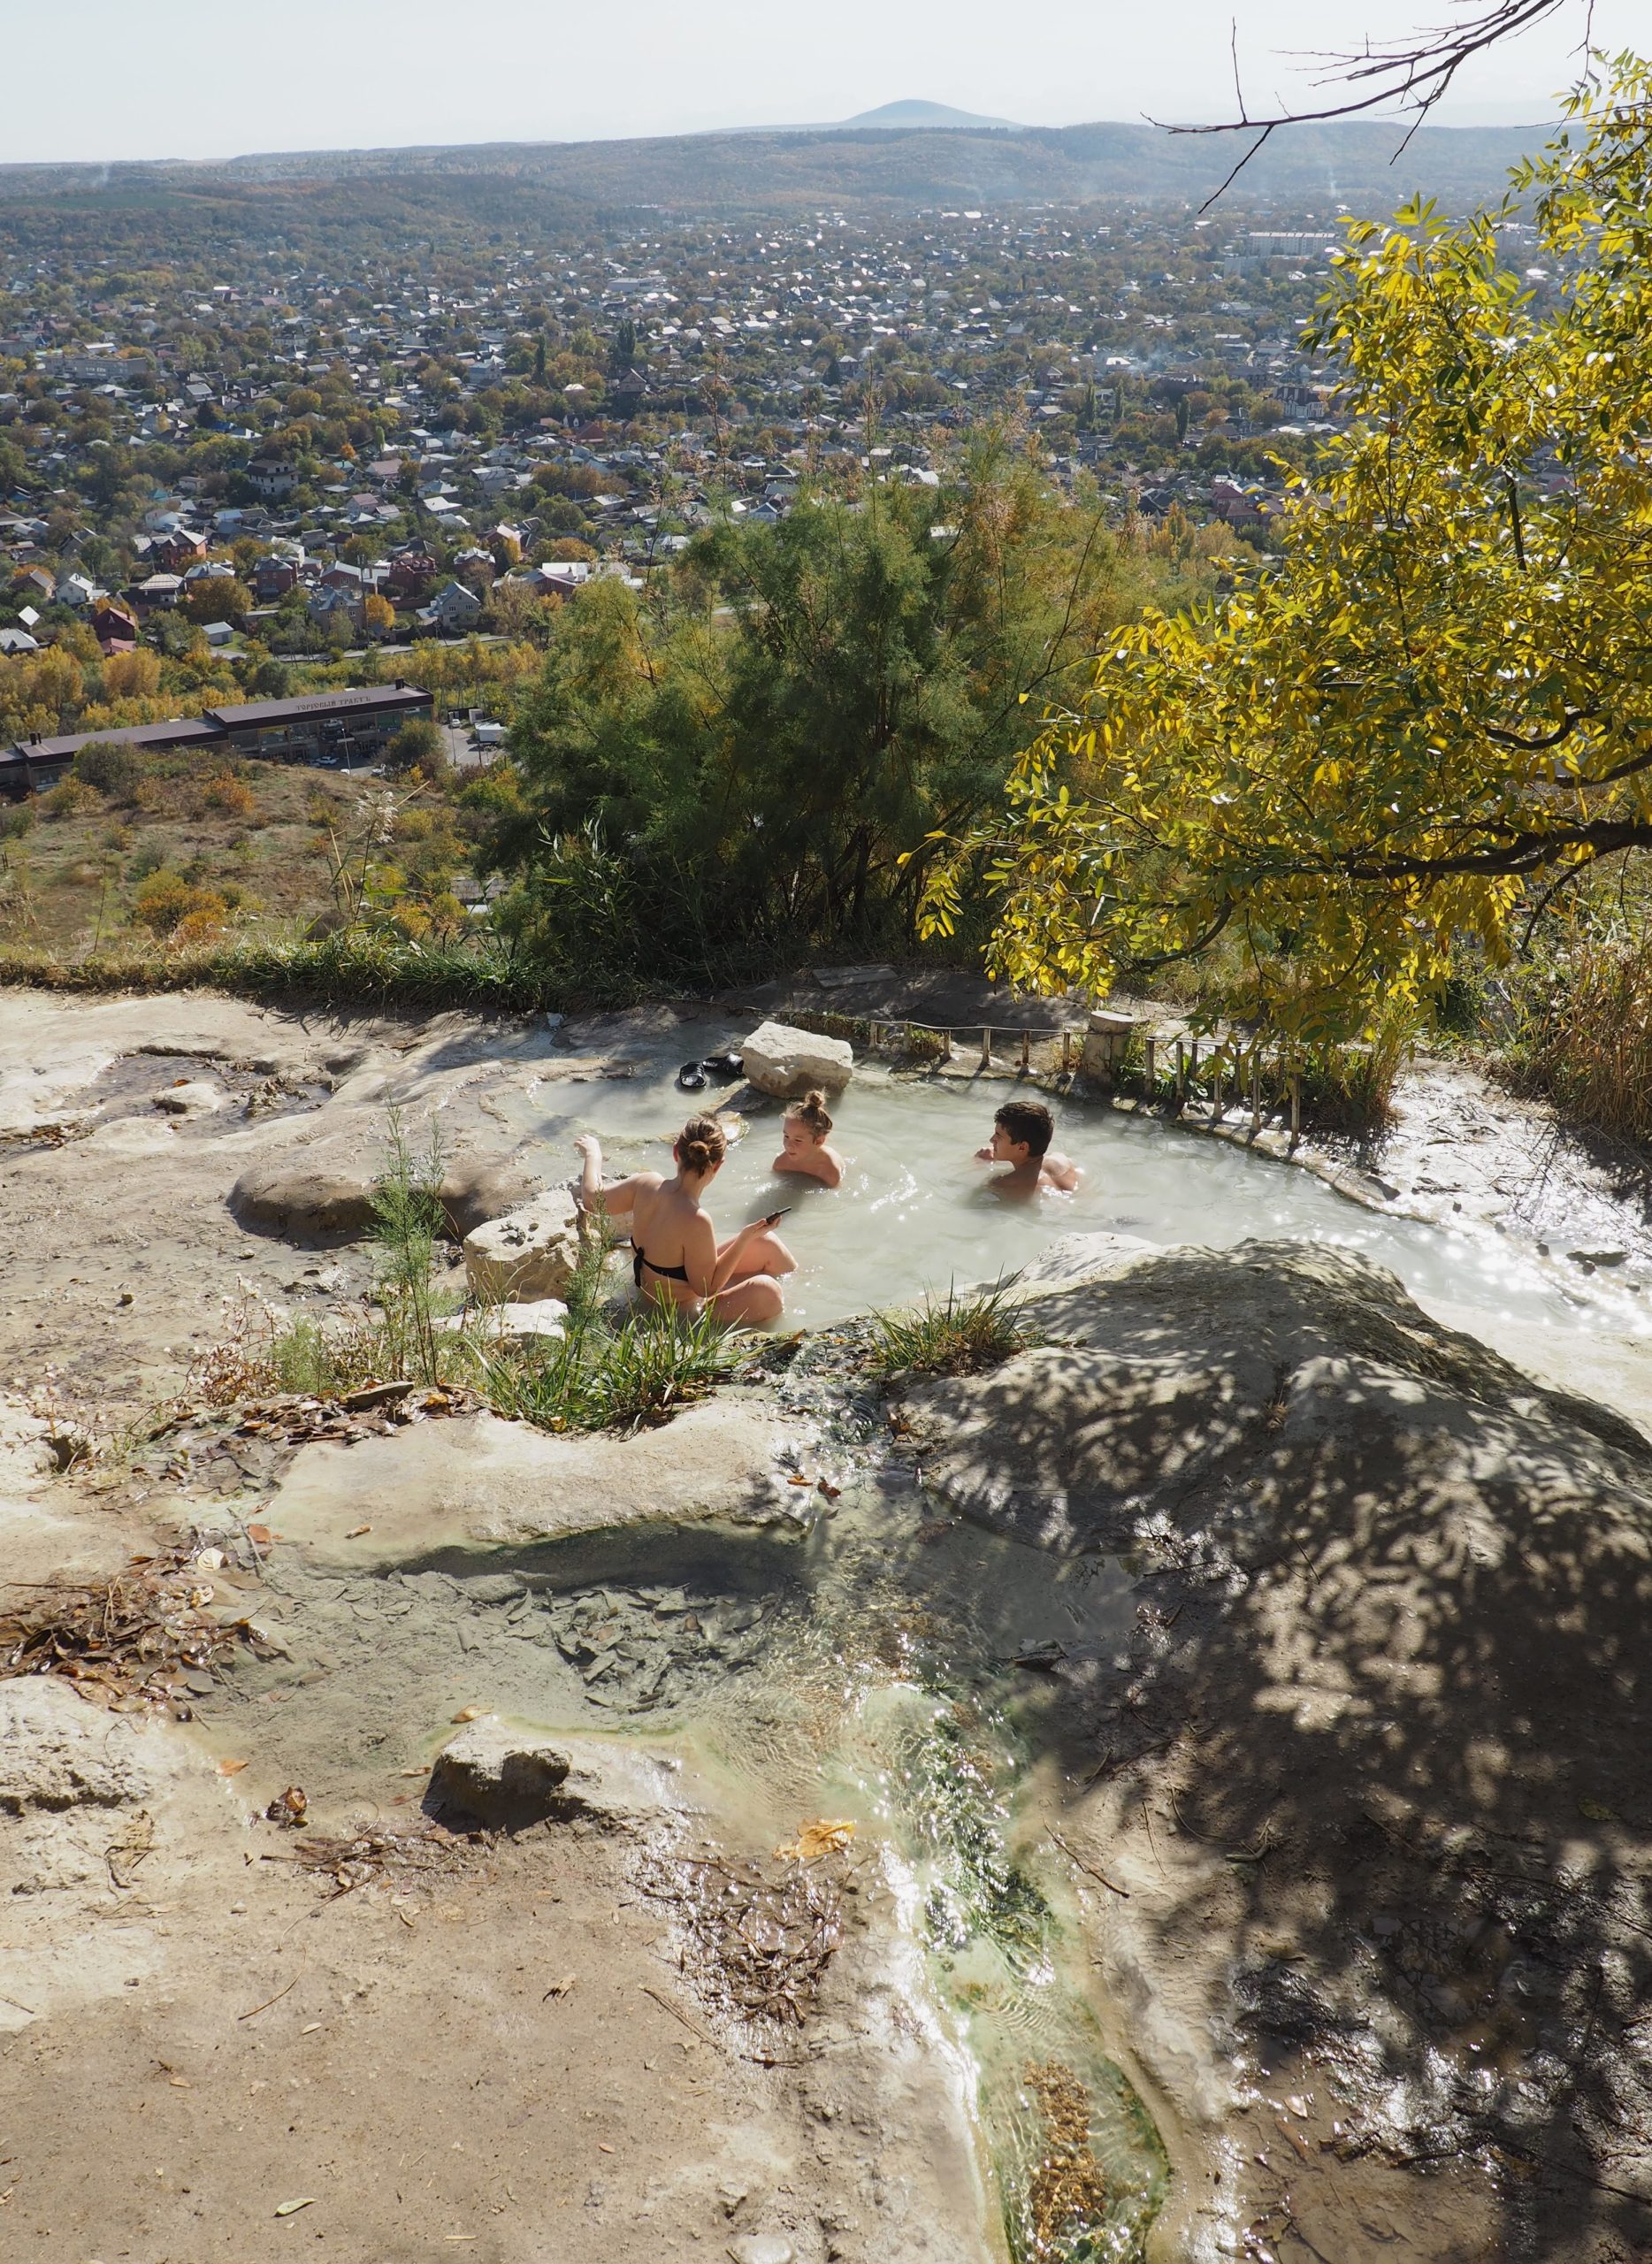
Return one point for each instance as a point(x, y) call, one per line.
point(1407, 76)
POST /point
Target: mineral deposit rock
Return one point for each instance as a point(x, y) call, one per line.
point(787, 1062)
point(195, 1097)
point(510, 1777)
point(528, 1254)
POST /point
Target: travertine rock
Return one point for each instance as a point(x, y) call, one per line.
point(510, 1777)
point(786, 1062)
point(528, 1254)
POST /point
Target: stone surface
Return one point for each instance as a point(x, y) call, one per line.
point(509, 1775)
point(1380, 1655)
point(761, 2248)
point(787, 1062)
point(476, 1480)
point(513, 1324)
point(194, 1098)
point(303, 1200)
point(58, 1752)
point(528, 1254)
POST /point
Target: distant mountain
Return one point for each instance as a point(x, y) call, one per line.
point(932, 117)
point(885, 164)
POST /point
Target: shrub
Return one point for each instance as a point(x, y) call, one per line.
point(234, 797)
point(113, 769)
point(16, 823)
point(167, 900)
point(72, 798)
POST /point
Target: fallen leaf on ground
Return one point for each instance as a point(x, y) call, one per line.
point(830, 1492)
point(800, 1481)
point(356, 1530)
point(292, 2208)
point(231, 1768)
point(261, 1535)
point(824, 1836)
point(560, 1988)
point(469, 1714)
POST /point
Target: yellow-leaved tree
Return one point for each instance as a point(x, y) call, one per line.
point(1433, 710)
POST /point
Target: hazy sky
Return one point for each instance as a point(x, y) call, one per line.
point(215, 78)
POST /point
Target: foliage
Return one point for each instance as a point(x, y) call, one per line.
point(961, 1336)
point(1579, 1018)
point(113, 769)
point(764, 737)
point(166, 902)
point(1424, 720)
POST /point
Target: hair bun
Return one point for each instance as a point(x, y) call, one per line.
point(701, 1144)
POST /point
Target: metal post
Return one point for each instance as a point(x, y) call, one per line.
point(986, 1047)
point(1255, 1088)
point(1181, 1074)
point(1152, 1074)
point(946, 1045)
point(1296, 1108)
point(1217, 1059)
point(1026, 1051)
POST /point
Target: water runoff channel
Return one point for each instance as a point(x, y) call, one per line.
point(879, 1663)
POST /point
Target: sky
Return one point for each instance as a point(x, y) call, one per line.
point(221, 77)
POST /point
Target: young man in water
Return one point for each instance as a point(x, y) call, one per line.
point(1021, 1133)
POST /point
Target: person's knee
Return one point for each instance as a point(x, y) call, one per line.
point(776, 1258)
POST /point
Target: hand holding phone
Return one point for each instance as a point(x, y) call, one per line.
point(775, 1217)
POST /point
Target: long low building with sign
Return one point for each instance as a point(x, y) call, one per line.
point(346, 726)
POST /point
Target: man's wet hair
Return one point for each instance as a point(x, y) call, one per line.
point(1027, 1121)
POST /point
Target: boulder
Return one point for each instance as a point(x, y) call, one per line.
point(193, 1097)
point(510, 1777)
point(303, 1200)
point(528, 1255)
point(787, 1062)
point(324, 1193)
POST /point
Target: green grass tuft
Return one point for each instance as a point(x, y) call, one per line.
point(962, 1336)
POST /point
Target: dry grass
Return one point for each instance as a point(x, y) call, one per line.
point(1583, 1015)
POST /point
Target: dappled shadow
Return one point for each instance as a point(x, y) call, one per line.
point(1388, 1675)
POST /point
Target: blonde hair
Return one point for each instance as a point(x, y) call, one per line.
point(811, 1110)
point(700, 1145)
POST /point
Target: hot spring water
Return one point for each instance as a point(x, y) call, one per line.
point(915, 1213)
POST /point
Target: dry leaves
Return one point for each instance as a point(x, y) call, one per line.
point(826, 1836)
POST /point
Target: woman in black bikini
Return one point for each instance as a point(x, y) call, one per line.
point(677, 1257)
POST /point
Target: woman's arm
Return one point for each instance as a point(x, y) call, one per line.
point(707, 1272)
point(592, 1194)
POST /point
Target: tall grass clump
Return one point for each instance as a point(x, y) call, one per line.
point(1580, 1019)
point(960, 1336)
point(407, 1221)
point(607, 1371)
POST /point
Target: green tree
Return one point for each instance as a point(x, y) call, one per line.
point(770, 738)
point(1425, 718)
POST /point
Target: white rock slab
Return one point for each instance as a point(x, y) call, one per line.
point(787, 1062)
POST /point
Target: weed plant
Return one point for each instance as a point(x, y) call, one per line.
point(607, 1371)
point(963, 1336)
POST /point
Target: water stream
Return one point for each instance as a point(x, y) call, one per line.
point(882, 1667)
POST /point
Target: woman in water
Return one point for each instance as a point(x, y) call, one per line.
point(803, 1149)
point(675, 1256)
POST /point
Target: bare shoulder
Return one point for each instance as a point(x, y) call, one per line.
point(1062, 1172)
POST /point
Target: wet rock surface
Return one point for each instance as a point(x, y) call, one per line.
point(1368, 1768)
